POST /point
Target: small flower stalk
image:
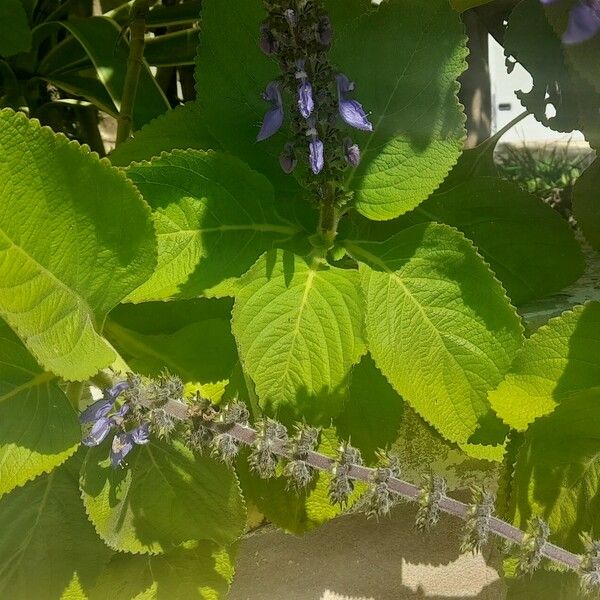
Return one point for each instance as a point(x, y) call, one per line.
point(380, 499)
point(298, 34)
point(341, 485)
point(477, 528)
point(223, 445)
point(536, 536)
point(432, 493)
point(271, 439)
point(299, 473)
point(590, 565)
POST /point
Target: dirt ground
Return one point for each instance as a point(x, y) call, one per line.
point(352, 558)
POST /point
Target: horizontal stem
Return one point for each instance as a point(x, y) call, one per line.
point(247, 435)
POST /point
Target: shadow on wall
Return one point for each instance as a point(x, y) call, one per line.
point(352, 558)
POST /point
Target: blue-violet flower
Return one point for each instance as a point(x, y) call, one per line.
point(584, 21)
point(351, 111)
point(274, 117)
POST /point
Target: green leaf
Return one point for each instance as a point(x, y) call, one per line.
point(165, 497)
point(203, 573)
point(462, 5)
point(439, 326)
point(372, 415)
point(405, 57)
point(38, 427)
point(557, 473)
point(213, 216)
point(531, 40)
point(190, 338)
point(549, 585)
point(108, 50)
point(231, 74)
point(497, 216)
point(75, 239)
point(558, 362)
point(47, 540)
point(298, 325)
point(181, 128)
point(586, 204)
point(172, 49)
point(15, 35)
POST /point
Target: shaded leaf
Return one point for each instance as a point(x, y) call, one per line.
point(15, 35)
point(38, 427)
point(165, 497)
point(419, 49)
point(586, 204)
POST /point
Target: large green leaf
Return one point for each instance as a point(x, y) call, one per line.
point(586, 204)
point(558, 362)
point(549, 585)
point(231, 75)
point(38, 426)
point(202, 573)
point(181, 128)
point(15, 35)
point(75, 239)
point(557, 473)
point(439, 326)
point(47, 540)
point(213, 216)
point(172, 49)
point(165, 497)
point(298, 324)
point(405, 57)
point(108, 50)
point(190, 338)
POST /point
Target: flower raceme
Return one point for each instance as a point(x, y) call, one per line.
point(584, 21)
point(298, 34)
point(103, 423)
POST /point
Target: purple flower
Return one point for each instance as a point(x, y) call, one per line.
point(268, 43)
point(99, 431)
point(351, 111)
point(102, 407)
point(123, 443)
point(287, 159)
point(291, 18)
point(274, 118)
point(352, 153)
point(306, 103)
point(584, 21)
point(316, 155)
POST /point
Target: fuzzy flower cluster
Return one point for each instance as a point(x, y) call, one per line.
point(432, 493)
point(536, 537)
point(380, 499)
point(584, 21)
point(104, 418)
point(477, 529)
point(298, 34)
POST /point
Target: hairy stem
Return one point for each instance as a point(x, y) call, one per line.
point(139, 12)
point(329, 218)
point(247, 435)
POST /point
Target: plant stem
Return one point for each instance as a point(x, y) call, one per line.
point(247, 435)
point(139, 12)
point(329, 218)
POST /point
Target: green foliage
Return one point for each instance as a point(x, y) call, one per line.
point(166, 497)
point(558, 363)
point(47, 540)
point(97, 246)
point(298, 324)
point(419, 51)
point(108, 52)
point(440, 339)
point(15, 35)
point(213, 216)
point(557, 472)
point(38, 427)
point(204, 572)
point(586, 204)
point(182, 128)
